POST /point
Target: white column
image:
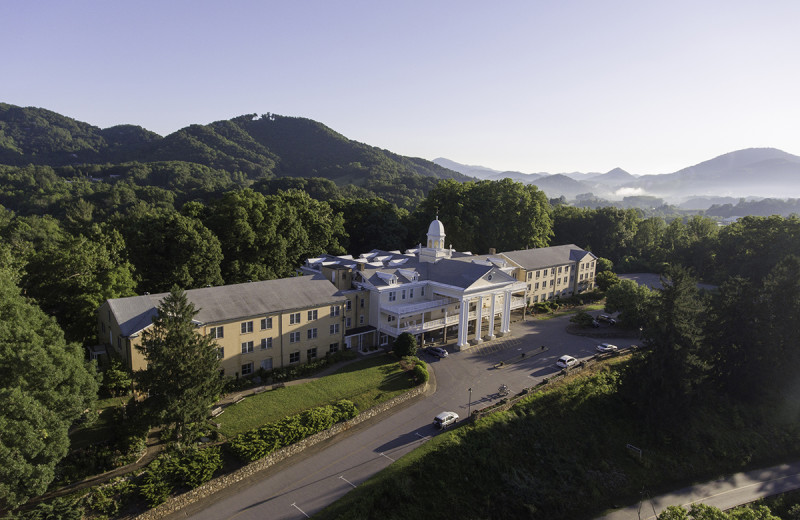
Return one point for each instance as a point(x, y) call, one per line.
point(479, 320)
point(463, 324)
point(506, 313)
point(491, 318)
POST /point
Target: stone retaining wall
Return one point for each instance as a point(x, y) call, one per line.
point(212, 486)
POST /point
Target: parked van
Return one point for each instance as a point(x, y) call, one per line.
point(445, 419)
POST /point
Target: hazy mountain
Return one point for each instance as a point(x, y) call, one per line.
point(256, 146)
point(754, 172)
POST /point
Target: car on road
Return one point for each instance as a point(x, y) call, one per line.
point(608, 319)
point(606, 347)
point(436, 351)
point(566, 361)
point(445, 419)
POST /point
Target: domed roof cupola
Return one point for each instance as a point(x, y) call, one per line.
point(436, 234)
point(435, 248)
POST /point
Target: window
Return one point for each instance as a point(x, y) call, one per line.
point(311, 353)
point(551, 283)
point(335, 310)
point(247, 327)
point(294, 337)
point(335, 328)
point(348, 322)
point(559, 269)
point(362, 303)
point(536, 299)
point(422, 291)
point(392, 296)
point(294, 357)
point(334, 347)
point(361, 320)
point(390, 318)
point(403, 295)
point(312, 333)
point(384, 339)
point(348, 305)
point(247, 347)
point(581, 278)
point(266, 364)
point(247, 369)
point(312, 315)
point(536, 286)
point(220, 352)
point(537, 274)
point(266, 323)
point(411, 294)
point(552, 270)
point(566, 269)
point(294, 318)
point(266, 343)
point(530, 275)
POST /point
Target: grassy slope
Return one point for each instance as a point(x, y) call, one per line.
point(562, 454)
point(367, 382)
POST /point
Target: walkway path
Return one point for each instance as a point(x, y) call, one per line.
point(724, 493)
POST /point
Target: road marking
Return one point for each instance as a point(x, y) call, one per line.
point(294, 505)
point(423, 437)
point(342, 477)
point(388, 457)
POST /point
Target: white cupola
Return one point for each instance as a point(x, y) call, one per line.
point(435, 249)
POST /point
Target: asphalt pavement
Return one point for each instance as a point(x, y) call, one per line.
point(724, 493)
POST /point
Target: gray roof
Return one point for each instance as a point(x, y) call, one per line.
point(547, 256)
point(231, 302)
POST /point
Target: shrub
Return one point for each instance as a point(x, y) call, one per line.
point(260, 442)
point(583, 318)
point(110, 498)
point(176, 469)
point(405, 345)
point(421, 373)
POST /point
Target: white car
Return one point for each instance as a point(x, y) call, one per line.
point(606, 347)
point(566, 361)
point(445, 419)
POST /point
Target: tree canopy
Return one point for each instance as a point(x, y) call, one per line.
point(45, 385)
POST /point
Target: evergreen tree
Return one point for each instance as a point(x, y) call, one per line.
point(182, 377)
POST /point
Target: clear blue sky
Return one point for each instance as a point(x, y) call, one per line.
point(535, 85)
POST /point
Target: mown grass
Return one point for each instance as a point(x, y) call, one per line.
point(569, 310)
point(562, 454)
point(367, 382)
point(99, 430)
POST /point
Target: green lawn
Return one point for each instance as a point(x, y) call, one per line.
point(569, 310)
point(367, 382)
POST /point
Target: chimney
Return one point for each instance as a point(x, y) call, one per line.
point(492, 251)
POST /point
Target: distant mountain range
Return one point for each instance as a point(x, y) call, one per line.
point(256, 146)
point(269, 146)
point(754, 172)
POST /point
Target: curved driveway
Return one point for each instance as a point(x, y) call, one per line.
point(307, 483)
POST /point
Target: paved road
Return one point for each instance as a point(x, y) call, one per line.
point(738, 489)
point(308, 483)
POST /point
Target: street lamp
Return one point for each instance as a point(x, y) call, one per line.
point(469, 404)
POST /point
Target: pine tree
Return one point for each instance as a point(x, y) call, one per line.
point(182, 378)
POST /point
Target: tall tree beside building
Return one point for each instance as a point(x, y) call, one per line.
point(45, 385)
point(182, 377)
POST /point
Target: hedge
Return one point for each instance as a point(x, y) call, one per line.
point(260, 442)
